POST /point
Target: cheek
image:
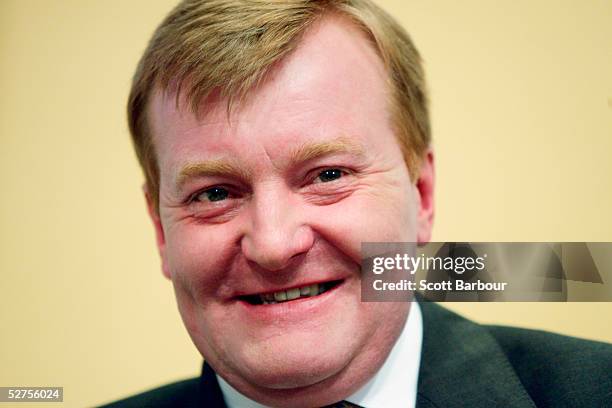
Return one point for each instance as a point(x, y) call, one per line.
point(198, 264)
point(367, 217)
point(195, 258)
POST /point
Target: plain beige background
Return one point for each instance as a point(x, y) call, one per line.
point(522, 116)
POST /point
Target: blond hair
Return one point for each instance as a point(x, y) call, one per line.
point(227, 46)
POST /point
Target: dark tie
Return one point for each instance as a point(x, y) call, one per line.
point(343, 404)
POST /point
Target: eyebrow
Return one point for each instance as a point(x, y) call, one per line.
point(304, 153)
point(210, 168)
point(315, 150)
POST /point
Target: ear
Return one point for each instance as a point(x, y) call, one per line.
point(159, 231)
point(425, 187)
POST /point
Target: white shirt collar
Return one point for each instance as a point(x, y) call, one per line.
point(394, 385)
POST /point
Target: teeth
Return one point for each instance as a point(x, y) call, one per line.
point(290, 294)
point(293, 294)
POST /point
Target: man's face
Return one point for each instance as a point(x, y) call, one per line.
point(276, 202)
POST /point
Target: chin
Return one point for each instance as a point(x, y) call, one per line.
point(279, 383)
point(289, 362)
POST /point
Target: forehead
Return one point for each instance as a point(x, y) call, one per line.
point(333, 84)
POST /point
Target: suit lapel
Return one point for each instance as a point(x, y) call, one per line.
point(463, 366)
point(210, 392)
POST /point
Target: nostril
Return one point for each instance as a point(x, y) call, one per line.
point(272, 262)
point(276, 249)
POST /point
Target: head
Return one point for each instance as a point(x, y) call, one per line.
point(275, 137)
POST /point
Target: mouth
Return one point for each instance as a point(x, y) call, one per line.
point(289, 295)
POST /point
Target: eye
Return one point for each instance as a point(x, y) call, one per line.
point(329, 175)
point(212, 194)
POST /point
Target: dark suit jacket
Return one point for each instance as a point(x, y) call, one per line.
point(464, 364)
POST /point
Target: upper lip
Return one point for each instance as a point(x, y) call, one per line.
point(263, 291)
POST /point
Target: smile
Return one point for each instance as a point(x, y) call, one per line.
point(288, 295)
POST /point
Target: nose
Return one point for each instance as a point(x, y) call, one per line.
point(278, 231)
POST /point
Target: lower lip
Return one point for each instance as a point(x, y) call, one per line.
point(293, 309)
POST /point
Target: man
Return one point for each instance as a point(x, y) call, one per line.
point(276, 137)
